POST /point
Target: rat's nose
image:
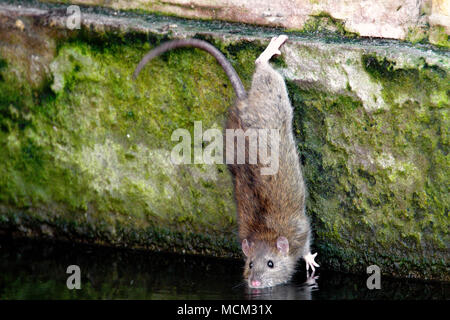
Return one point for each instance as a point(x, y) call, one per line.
point(256, 283)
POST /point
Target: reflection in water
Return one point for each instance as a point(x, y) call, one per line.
point(37, 270)
point(285, 292)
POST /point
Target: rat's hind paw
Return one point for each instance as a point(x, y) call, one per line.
point(277, 42)
point(272, 49)
point(310, 263)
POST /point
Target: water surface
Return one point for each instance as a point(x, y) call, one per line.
point(37, 270)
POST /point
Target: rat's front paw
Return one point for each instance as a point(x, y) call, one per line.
point(310, 263)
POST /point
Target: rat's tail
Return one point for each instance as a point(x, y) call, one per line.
point(200, 44)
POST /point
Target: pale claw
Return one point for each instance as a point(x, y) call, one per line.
point(310, 263)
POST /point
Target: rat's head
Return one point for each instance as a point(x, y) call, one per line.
point(267, 265)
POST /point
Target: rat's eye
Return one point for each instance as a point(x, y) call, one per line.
point(250, 265)
point(270, 264)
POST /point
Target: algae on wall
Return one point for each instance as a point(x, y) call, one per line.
point(87, 153)
point(85, 150)
point(376, 160)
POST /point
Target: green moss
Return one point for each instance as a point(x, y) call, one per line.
point(439, 37)
point(379, 180)
point(417, 35)
point(324, 23)
point(97, 145)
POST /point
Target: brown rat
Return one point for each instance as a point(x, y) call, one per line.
point(273, 228)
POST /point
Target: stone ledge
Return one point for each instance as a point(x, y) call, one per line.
point(407, 20)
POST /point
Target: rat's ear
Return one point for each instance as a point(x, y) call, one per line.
point(283, 245)
point(246, 247)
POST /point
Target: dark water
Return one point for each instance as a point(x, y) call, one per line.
point(37, 270)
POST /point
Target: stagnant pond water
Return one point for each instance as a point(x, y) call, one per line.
point(37, 270)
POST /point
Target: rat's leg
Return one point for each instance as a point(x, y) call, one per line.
point(272, 49)
point(310, 263)
point(268, 100)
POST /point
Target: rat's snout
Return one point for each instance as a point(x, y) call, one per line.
point(256, 283)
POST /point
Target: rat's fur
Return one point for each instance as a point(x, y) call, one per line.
point(271, 208)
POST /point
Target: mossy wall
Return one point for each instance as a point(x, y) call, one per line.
point(86, 150)
point(376, 160)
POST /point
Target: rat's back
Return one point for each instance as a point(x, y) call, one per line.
point(269, 205)
point(273, 226)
